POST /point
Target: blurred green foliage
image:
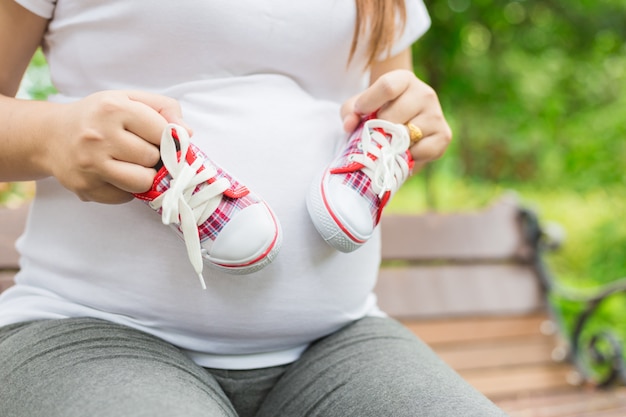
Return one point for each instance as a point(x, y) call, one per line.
point(13, 194)
point(536, 94)
point(36, 83)
point(536, 90)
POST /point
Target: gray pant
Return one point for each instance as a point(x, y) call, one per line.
point(91, 368)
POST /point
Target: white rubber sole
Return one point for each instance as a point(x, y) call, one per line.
point(327, 222)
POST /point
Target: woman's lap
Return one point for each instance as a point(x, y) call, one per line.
point(79, 367)
point(373, 367)
point(87, 367)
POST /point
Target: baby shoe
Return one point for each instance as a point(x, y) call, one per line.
point(346, 202)
point(220, 220)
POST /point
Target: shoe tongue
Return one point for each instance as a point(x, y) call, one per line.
point(159, 165)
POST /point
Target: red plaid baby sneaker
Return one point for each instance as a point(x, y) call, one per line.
point(346, 202)
point(220, 220)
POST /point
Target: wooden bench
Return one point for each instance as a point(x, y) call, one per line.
point(12, 223)
point(474, 287)
point(471, 286)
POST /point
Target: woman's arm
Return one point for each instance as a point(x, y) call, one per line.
point(403, 60)
point(102, 147)
point(397, 95)
point(20, 35)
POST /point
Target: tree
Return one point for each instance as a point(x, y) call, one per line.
point(535, 90)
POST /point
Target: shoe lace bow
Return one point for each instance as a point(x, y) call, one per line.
point(384, 145)
point(192, 196)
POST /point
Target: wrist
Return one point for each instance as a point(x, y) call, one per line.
point(26, 140)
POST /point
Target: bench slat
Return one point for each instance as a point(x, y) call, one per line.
point(570, 403)
point(12, 223)
point(492, 354)
point(472, 329)
point(6, 279)
point(505, 382)
point(489, 234)
point(453, 290)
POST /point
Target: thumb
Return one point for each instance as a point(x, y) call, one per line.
point(349, 116)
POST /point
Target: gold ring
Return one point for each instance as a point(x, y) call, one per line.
point(415, 133)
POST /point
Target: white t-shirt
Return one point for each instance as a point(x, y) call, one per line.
point(261, 83)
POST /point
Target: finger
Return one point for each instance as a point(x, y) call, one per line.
point(437, 137)
point(167, 107)
point(429, 149)
point(143, 121)
point(350, 122)
point(112, 195)
point(349, 117)
point(347, 108)
point(386, 88)
point(134, 149)
point(106, 194)
point(128, 177)
point(404, 108)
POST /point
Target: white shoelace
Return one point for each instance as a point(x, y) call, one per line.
point(179, 203)
point(389, 170)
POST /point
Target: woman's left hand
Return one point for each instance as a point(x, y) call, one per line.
point(400, 97)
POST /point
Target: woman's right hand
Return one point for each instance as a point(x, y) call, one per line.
point(104, 147)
